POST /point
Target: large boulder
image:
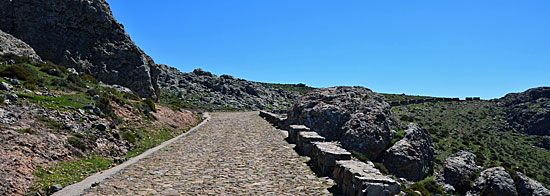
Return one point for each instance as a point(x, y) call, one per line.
point(413, 156)
point(528, 187)
point(494, 182)
point(12, 45)
point(529, 111)
point(357, 117)
point(81, 34)
point(456, 169)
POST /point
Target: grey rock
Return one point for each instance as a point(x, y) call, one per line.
point(528, 187)
point(294, 130)
point(529, 111)
point(55, 188)
point(359, 178)
point(100, 126)
point(455, 169)
point(219, 93)
point(357, 117)
point(412, 157)
point(84, 35)
point(11, 45)
point(12, 97)
point(325, 155)
point(494, 182)
point(72, 71)
point(5, 86)
point(305, 141)
point(13, 81)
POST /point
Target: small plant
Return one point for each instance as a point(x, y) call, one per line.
point(76, 142)
point(381, 168)
point(88, 78)
point(150, 104)
point(29, 131)
point(360, 156)
point(20, 72)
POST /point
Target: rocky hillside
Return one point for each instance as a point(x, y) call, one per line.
point(529, 111)
point(203, 90)
point(482, 128)
point(457, 147)
point(58, 126)
point(84, 35)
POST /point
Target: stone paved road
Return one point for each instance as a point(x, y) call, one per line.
point(232, 154)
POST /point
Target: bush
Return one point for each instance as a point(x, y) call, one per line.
point(381, 168)
point(128, 136)
point(20, 72)
point(360, 156)
point(150, 104)
point(17, 59)
point(88, 78)
point(76, 142)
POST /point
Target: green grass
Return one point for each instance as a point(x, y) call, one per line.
point(29, 131)
point(66, 173)
point(145, 140)
point(479, 127)
point(50, 123)
point(77, 100)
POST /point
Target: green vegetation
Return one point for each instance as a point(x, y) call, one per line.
point(68, 172)
point(479, 127)
point(403, 97)
point(144, 139)
point(428, 186)
point(50, 123)
point(300, 88)
point(29, 131)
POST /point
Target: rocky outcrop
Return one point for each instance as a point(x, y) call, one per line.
point(204, 88)
point(456, 169)
point(494, 182)
point(357, 117)
point(81, 34)
point(526, 186)
point(12, 45)
point(411, 157)
point(529, 111)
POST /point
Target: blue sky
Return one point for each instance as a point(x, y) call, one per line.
point(439, 48)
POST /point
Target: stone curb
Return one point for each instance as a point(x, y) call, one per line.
point(80, 187)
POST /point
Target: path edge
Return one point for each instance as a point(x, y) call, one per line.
point(80, 187)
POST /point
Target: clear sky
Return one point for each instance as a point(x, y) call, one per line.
point(439, 48)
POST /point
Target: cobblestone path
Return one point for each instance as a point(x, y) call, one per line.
point(232, 154)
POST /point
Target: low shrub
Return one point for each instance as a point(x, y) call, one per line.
point(381, 168)
point(150, 104)
point(88, 78)
point(76, 142)
point(20, 72)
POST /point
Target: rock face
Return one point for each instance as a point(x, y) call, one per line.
point(526, 186)
point(357, 117)
point(457, 168)
point(494, 182)
point(529, 111)
point(12, 45)
point(81, 34)
point(204, 88)
point(411, 157)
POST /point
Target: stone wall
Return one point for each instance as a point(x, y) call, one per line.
point(355, 178)
point(432, 100)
